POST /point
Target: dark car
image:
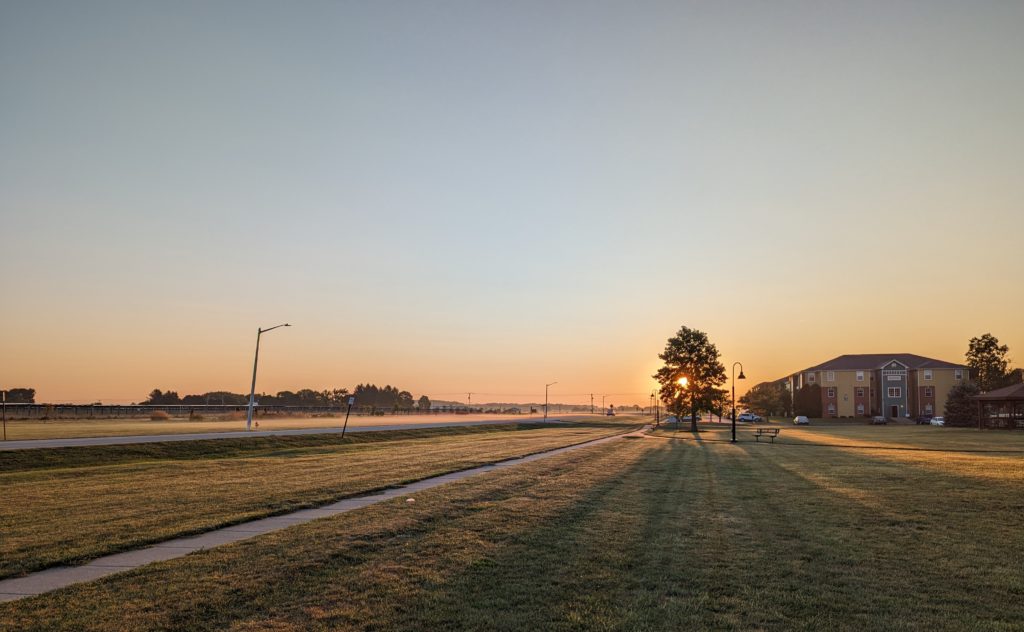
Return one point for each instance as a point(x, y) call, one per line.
point(924, 419)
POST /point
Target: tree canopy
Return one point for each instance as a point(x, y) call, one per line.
point(961, 408)
point(988, 362)
point(20, 395)
point(692, 355)
point(767, 398)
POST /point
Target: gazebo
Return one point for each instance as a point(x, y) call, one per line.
point(1002, 408)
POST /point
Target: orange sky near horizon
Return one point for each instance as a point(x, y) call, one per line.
point(486, 197)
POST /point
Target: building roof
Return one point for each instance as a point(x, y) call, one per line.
point(868, 361)
point(1012, 392)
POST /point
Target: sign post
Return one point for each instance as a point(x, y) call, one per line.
point(351, 400)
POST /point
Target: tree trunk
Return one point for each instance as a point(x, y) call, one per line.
point(693, 416)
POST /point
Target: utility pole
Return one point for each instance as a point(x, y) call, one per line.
point(469, 399)
point(603, 409)
point(3, 398)
point(591, 403)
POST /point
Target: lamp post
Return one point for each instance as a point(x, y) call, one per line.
point(3, 399)
point(255, 362)
point(742, 377)
point(546, 399)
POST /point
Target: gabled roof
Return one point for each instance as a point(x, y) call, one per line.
point(869, 361)
point(1014, 391)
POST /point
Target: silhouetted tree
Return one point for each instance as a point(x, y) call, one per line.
point(961, 408)
point(690, 354)
point(988, 362)
point(21, 396)
point(423, 403)
point(807, 400)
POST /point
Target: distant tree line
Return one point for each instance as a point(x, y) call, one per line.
point(367, 396)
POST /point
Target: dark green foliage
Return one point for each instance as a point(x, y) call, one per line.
point(807, 401)
point(768, 398)
point(961, 408)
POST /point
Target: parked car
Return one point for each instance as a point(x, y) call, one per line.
point(937, 421)
point(748, 417)
point(801, 421)
point(924, 420)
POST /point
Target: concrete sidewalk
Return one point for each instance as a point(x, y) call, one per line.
point(59, 577)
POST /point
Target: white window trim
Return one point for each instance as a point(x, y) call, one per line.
point(860, 376)
point(895, 392)
point(862, 390)
point(830, 376)
point(830, 392)
point(958, 374)
point(810, 378)
point(928, 374)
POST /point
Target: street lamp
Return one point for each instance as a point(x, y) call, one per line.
point(742, 377)
point(546, 399)
point(255, 362)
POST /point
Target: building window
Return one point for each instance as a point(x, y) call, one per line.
point(929, 391)
point(928, 409)
point(927, 374)
point(832, 409)
point(860, 409)
point(958, 374)
point(895, 392)
point(830, 376)
point(831, 392)
point(860, 392)
point(860, 376)
point(810, 378)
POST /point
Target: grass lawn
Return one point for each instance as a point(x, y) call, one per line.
point(23, 429)
point(70, 504)
point(638, 534)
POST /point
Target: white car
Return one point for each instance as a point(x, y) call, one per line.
point(748, 417)
point(801, 421)
point(937, 421)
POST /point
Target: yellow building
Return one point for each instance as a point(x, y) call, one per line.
point(892, 385)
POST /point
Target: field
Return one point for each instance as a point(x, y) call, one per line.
point(21, 429)
point(831, 528)
point(67, 505)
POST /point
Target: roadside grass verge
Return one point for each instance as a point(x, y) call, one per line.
point(633, 535)
point(65, 506)
point(25, 429)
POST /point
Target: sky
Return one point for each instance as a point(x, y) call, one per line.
point(485, 197)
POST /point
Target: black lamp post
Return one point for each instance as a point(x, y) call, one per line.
point(742, 377)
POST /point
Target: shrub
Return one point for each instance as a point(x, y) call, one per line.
point(159, 415)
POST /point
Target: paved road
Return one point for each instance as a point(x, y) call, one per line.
point(127, 440)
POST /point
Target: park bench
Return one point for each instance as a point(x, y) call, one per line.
point(766, 432)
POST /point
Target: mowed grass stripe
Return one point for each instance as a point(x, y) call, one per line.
point(67, 514)
point(635, 535)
